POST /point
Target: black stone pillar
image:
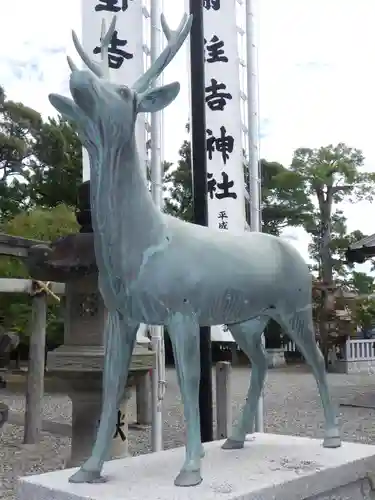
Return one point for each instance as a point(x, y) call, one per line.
point(199, 162)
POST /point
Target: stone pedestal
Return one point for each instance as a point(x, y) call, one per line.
point(270, 467)
point(78, 365)
point(86, 409)
point(143, 391)
point(120, 436)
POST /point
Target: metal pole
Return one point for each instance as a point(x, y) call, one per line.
point(157, 337)
point(199, 165)
point(253, 138)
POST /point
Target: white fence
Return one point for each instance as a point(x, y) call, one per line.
point(355, 349)
point(360, 350)
point(291, 346)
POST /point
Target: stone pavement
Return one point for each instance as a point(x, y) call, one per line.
point(292, 406)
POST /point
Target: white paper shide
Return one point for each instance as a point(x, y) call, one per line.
point(125, 52)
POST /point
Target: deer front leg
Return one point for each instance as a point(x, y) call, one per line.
point(184, 334)
point(119, 338)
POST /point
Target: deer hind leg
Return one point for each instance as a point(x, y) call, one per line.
point(248, 335)
point(184, 334)
point(119, 341)
point(300, 328)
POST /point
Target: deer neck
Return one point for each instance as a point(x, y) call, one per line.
point(127, 224)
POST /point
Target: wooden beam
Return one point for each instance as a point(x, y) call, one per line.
point(13, 251)
point(35, 372)
point(18, 285)
point(17, 246)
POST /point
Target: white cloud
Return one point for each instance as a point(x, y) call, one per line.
point(316, 76)
point(315, 62)
point(35, 37)
point(317, 83)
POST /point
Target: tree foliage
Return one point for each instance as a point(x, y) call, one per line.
point(331, 175)
point(59, 171)
point(18, 124)
point(178, 186)
point(284, 199)
point(363, 302)
point(40, 161)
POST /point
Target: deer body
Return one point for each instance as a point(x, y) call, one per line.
point(231, 280)
point(156, 269)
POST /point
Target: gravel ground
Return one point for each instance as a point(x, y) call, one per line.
point(291, 406)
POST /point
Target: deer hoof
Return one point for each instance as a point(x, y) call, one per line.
point(87, 476)
point(188, 478)
point(332, 442)
point(332, 438)
point(232, 444)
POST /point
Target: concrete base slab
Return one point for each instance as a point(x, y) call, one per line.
point(365, 399)
point(269, 467)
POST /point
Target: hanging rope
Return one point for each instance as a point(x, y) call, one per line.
point(40, 287)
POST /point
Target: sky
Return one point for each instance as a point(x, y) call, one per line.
point(316, 75)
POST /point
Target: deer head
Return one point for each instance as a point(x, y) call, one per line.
point(103, 109)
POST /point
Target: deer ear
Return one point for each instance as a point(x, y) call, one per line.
point(156, 99)
point(66, 107)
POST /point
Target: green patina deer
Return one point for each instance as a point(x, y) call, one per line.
point(158, 270)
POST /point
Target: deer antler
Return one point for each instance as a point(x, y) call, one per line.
point(175, 41)
point(104, 42)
